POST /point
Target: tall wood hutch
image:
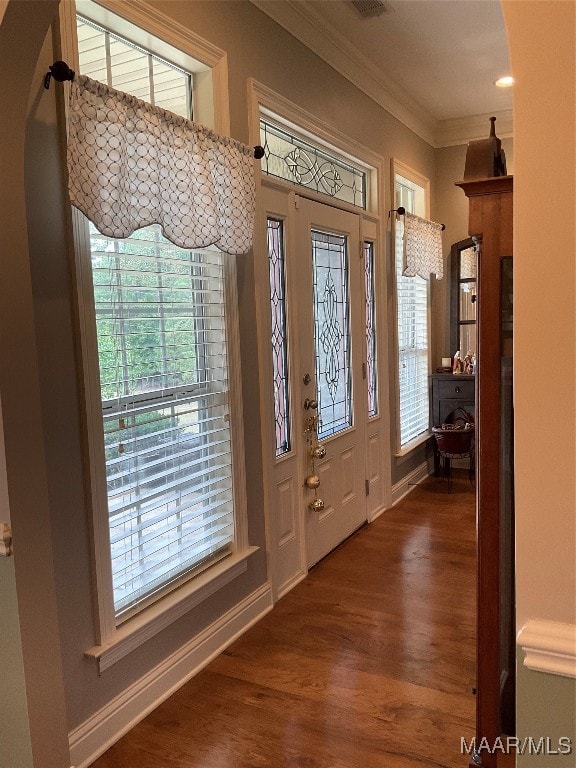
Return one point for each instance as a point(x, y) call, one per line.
point(490, 224)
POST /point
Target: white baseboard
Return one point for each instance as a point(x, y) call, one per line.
point(377, 512)
point(549, 646)
point(105, 727)
point(291, 583)
point(407, 483)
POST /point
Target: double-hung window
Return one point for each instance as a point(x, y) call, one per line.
point(412, 301)
point(160, 327)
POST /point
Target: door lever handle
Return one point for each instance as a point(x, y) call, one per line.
point(310, 404)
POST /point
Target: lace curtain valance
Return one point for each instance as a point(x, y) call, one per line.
point(468, 263)
point(422, 247)
point(131, 164)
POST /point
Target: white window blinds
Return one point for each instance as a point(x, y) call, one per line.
point(162, 350)
point(413, 342)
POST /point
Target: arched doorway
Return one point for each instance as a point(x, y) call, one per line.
point(30, 624)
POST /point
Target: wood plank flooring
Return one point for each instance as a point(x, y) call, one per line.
point(368, 663)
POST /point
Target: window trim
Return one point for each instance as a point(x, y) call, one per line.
point(402, 453)
point(263, 101)
point(145, 625)
point(114, 642)
point(158, 25)
point(398, 168)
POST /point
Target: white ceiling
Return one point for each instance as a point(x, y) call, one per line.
point(431, 63)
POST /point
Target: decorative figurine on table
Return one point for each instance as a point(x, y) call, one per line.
point(456, 363)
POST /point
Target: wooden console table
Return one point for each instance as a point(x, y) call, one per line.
point(448, 393)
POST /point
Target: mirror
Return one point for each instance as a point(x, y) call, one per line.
point(463, 297)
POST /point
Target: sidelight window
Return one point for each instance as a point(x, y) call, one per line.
point(370, 306)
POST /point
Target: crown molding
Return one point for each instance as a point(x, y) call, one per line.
point(461, 130)
point(311, 28)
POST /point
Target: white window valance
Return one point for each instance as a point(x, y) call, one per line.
point(422, 247)
point(131, 164)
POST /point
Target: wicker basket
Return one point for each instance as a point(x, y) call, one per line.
point(453, 440)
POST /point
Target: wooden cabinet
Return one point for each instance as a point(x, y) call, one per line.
point(448, 393)
point(490, 225)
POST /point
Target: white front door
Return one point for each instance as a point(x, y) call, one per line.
point(331, 350)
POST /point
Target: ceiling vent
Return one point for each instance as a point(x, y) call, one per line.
point(368, 8)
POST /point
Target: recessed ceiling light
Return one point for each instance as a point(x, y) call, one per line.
point(504, 82)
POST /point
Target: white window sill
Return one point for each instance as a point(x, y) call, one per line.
point(401, 453)
point(158, 616)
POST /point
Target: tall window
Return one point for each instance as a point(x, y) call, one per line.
point(413, 332)
point(161, 328)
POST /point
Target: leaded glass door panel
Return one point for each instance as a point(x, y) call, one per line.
point(331, 306)
point(331, 329)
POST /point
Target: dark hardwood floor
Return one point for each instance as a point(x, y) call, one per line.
point(368, 663)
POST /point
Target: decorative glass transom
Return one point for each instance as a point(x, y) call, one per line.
point(289, 157)
point(275, 229)
point(331, 332)
point(370, 329)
